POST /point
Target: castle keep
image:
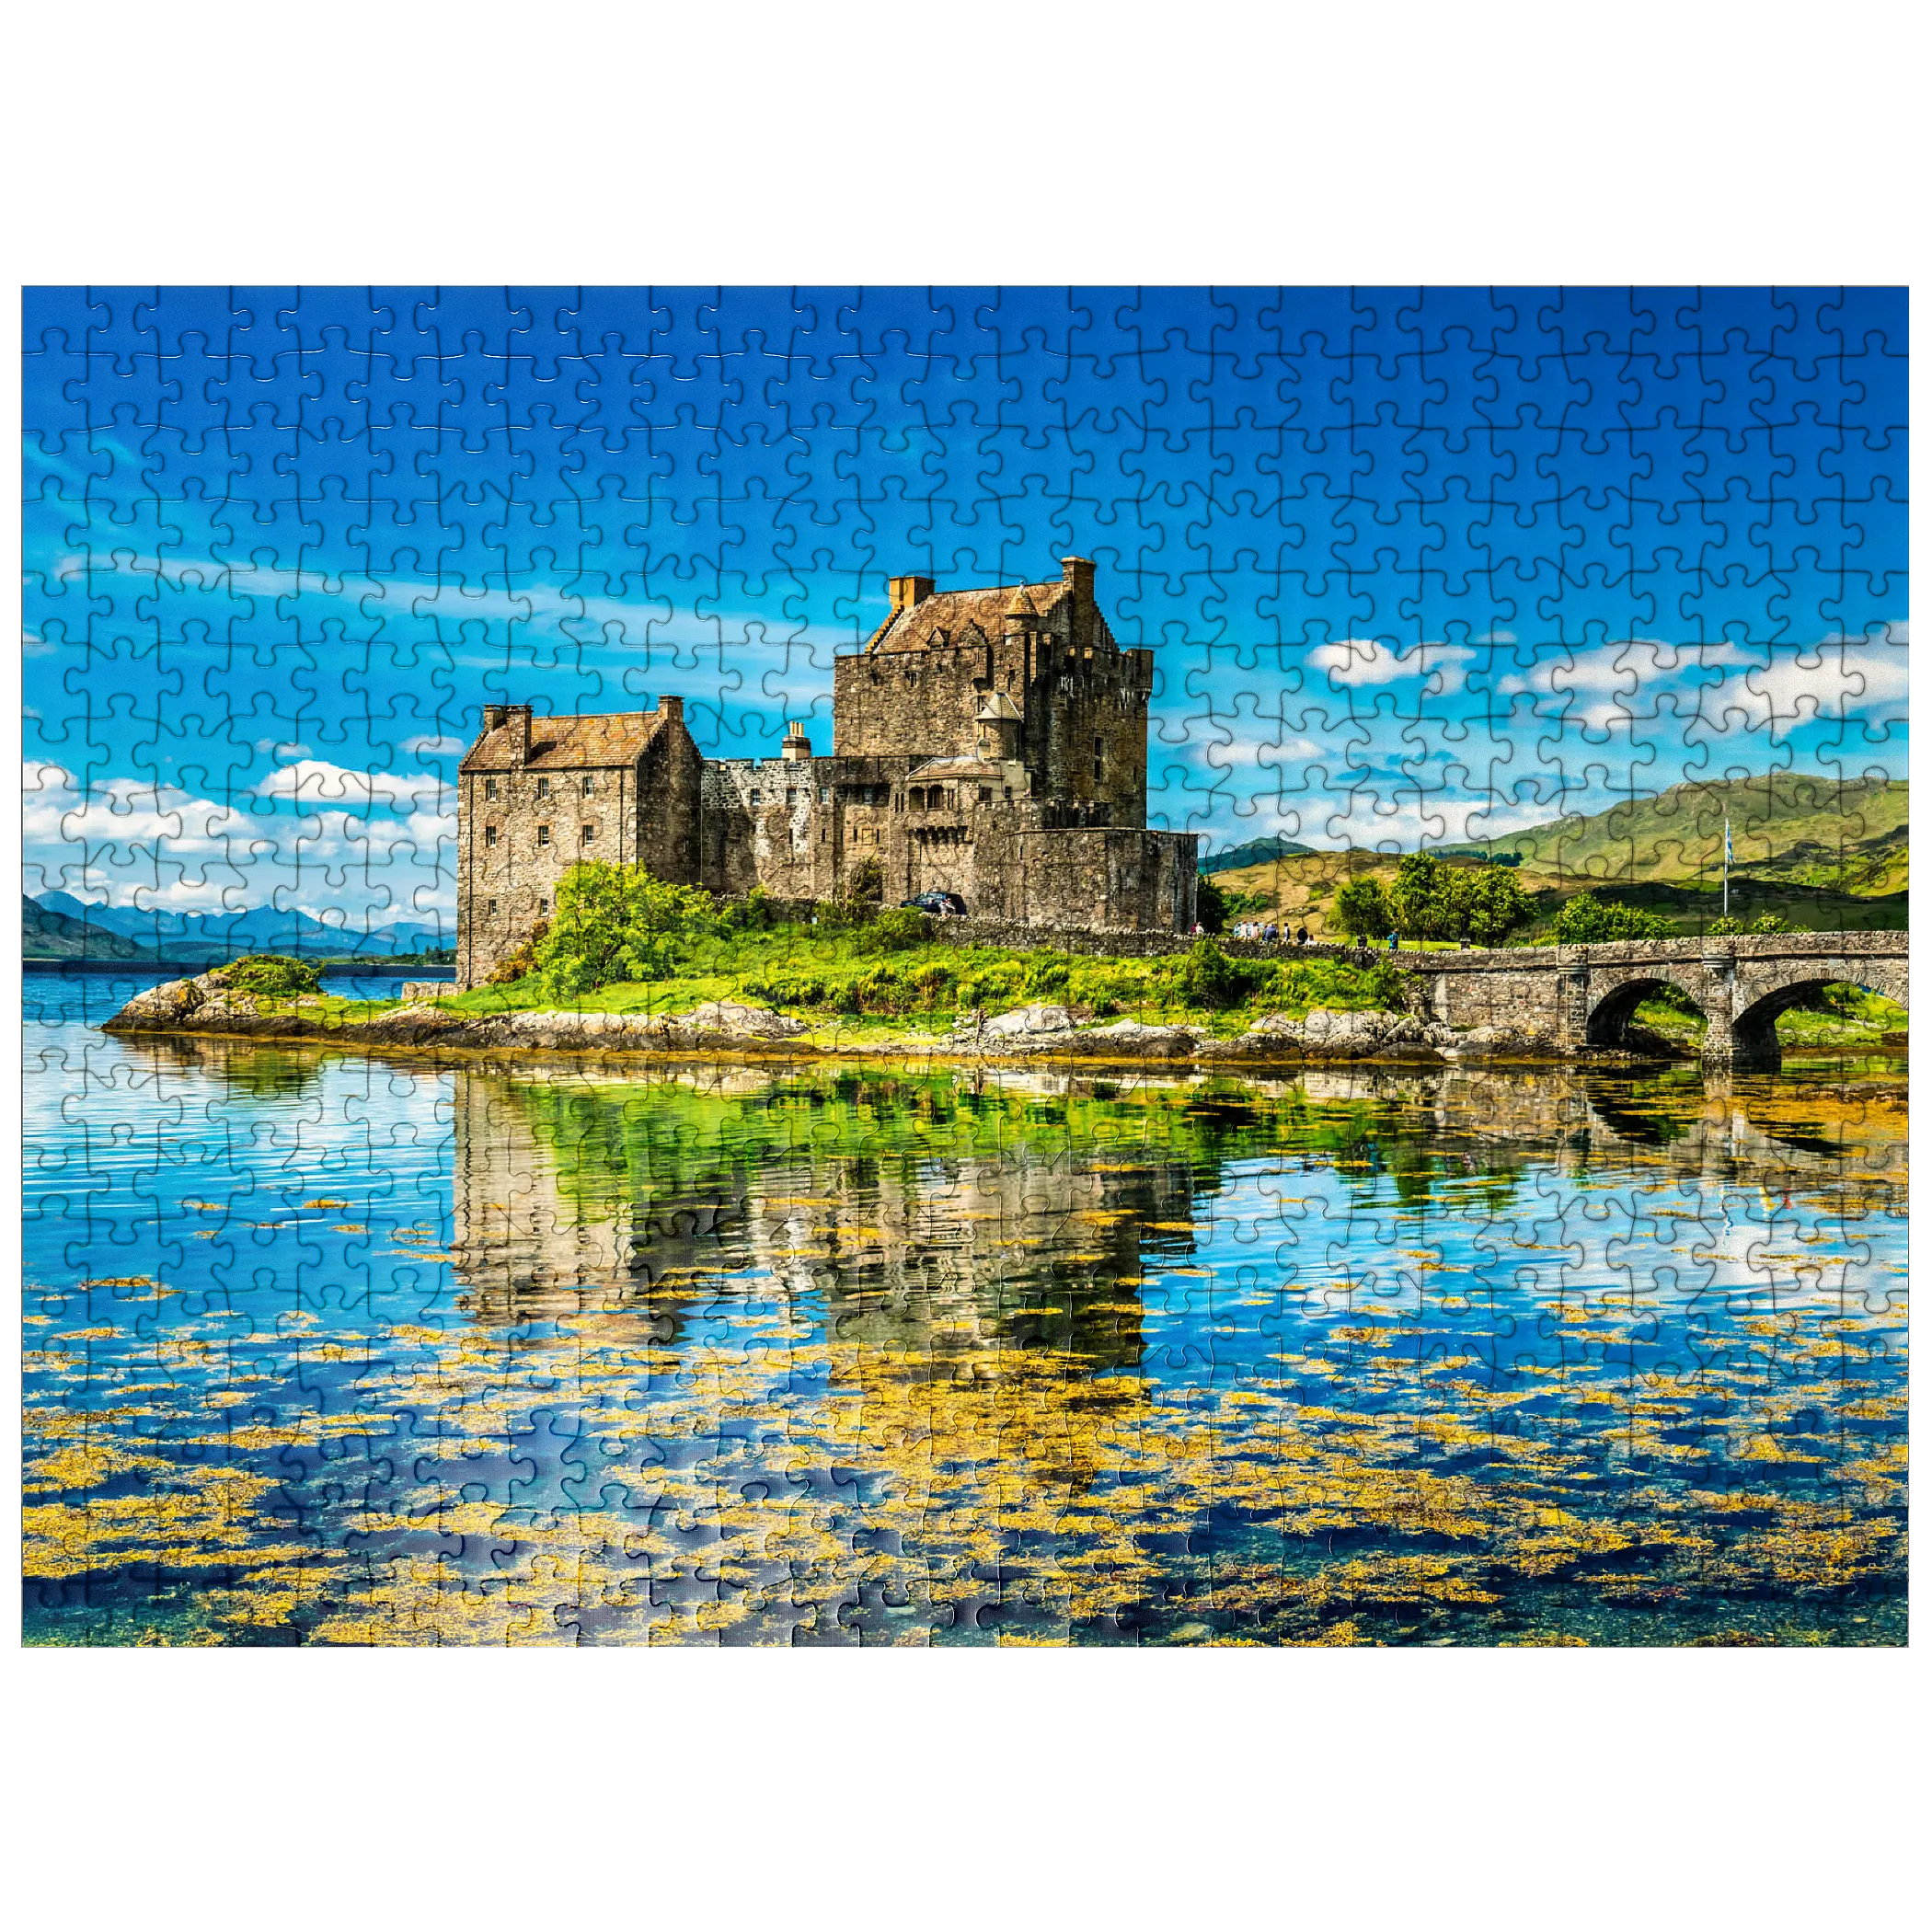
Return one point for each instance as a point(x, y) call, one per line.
point(991, 743)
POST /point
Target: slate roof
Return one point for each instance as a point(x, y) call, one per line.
point(600, 742)
point(951, 612)
point(966, 766)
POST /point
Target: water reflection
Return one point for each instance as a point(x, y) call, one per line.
point(549, 1352)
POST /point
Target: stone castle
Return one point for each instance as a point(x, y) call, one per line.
point(991, 743)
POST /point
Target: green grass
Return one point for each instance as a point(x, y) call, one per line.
point(828, 983)
point(1856, 1022)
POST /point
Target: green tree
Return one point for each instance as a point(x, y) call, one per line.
point(1209, 904)
point(617, 922)
point(1492, 904)
point(1586, 920)
point(1361, 909)
point(1423, 898)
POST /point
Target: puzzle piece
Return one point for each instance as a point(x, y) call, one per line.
point(1488, 1228)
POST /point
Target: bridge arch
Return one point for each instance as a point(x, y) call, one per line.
point(1613, 1009)
point(1754, 1028)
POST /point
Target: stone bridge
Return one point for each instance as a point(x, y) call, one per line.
point(1587, 996)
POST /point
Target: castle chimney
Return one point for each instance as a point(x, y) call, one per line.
point(796, 747)
point(906, 591)
point(672, 708)
point(1077, 572)
point(492, 718)
point(515, 719)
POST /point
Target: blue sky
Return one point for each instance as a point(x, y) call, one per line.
point(1417, 564)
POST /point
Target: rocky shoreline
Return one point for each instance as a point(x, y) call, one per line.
point(205, 1004)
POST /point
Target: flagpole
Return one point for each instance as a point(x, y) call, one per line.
point(1727, 865)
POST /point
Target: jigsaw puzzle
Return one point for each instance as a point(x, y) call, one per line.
point(965, 966)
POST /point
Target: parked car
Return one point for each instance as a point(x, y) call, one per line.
point(941, 906)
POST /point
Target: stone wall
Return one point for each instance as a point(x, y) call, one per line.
point(669, 786)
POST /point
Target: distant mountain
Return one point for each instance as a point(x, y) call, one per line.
point(48, 935)
point(1256, 852)
point(1841, 835)
point(199, 936)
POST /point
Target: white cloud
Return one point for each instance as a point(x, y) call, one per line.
point(433, 747)
point(315, 781)
point(378, 848)
point(1368, 661)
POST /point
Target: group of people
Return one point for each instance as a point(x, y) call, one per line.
point(1269, 934)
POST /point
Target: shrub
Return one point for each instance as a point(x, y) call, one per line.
point(885, 990)
point(1205, 976)
point(783, 988)
point(1769, 923)
point(1210, 905)
point(1295, 985)
point(1586, 920)
point(523, 960)
point(271, 972)
point(933, 981)
point(992, 988)
point(1046, 975)
point(617, 922)
point(899, 930)
point(1727, 928)
point(753, 914)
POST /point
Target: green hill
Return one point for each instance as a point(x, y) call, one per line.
point(1256, 852)
point(1845, 837)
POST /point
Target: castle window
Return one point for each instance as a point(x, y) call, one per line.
point(791, 795)
point(1009, 795)
point(542, 905)
point(490, 788)
point(590, 834)
point(825, 795)
point(543, 834)
point(985, 795)
point(492, 905)
point(490, 835)
point(543, 788)
point(757, 798)
point(590, 786)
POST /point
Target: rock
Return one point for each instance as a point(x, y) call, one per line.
point(741, 1022)
point(1133, 1037)
point(1496, 1043)
point(1025, 1020)
point(415, 990)
point(167, 1005)
point(1276, 1026)
point(715, 1023)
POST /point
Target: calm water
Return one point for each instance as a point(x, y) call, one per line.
point(332, 1349)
